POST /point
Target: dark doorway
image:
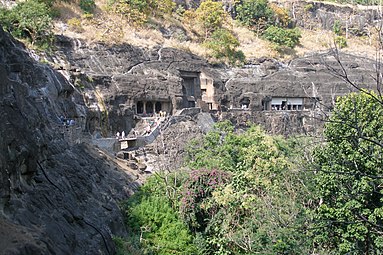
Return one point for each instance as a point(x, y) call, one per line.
point(188, 86)
point(245, 103)
point(158, 106)
point(140, 107)
point(149, 107)
point(284, 103)
point(191, 104)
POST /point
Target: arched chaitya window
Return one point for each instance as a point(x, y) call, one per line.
point(149, 107)
point(158, 106)
point(140, 107)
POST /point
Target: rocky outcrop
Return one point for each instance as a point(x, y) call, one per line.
point(115, 79)
point(56, 196)
point(315, 81)
point(352, 19)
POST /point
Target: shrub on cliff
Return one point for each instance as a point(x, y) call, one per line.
point(282, 37)
point(29, 20)
point(138, 12)
point(210, 16)
point(87, 5)
point(224, 45)
point(254, 13)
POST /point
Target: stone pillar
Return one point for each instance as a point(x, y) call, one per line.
point(144, 109)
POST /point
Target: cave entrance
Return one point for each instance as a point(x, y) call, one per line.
point(191, 89)
point(149, 107)
point(140, 107)
point(158, 107)
point(287, 104)
point(245, 103)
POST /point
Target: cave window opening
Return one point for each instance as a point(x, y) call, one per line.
point(140, 107)
point(287, 104)
point(191, 104)
point(149, 107)
point(158, 107)
point(283, 106)
point(245, 103)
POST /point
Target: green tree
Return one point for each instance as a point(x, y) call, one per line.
point(258, 207)
point(254, 13)
point(210, 16)
point(30, 19)
point(87, 5)
point(138, 12)
point(224, 44)
point(282, 36)
point(349, 178)
point(154, 224)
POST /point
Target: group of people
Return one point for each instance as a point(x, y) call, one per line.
point(162, 114)
point(122, 135)
point(67, 122)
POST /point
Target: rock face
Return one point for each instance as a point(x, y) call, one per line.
point(294, 98)
point(56, 196)
point(121, 82)
point(352, 19)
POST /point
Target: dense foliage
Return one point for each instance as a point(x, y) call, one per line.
point(253, 12)
point(224, 45)
point(210, 15)
point(257, 209)
point(209, 19)
point(29, 20)
point(349, 180)
point(154, 225)
point(244, 196)
point(283, 36)
point(138, 12)
point(87, 5)
point(249, 194)
point(270, 20)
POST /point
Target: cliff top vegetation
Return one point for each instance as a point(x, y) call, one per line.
point(220, 32)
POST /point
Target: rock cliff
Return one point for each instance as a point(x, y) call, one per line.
point(57, 196)
point(116, 80)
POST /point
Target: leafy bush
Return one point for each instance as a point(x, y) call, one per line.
point(87, 5)
point(151, 218)
point(210, 16)
point(281, 15)
point(224, 44)
point(349, 176)
point(337, 28)
point(30, 20)
point(340, 41)
point(75, 24)
point(282, 36)
point(161, 7)
point(138, 12)
point(247, 210)
point(195, 206)
point(253, 12)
